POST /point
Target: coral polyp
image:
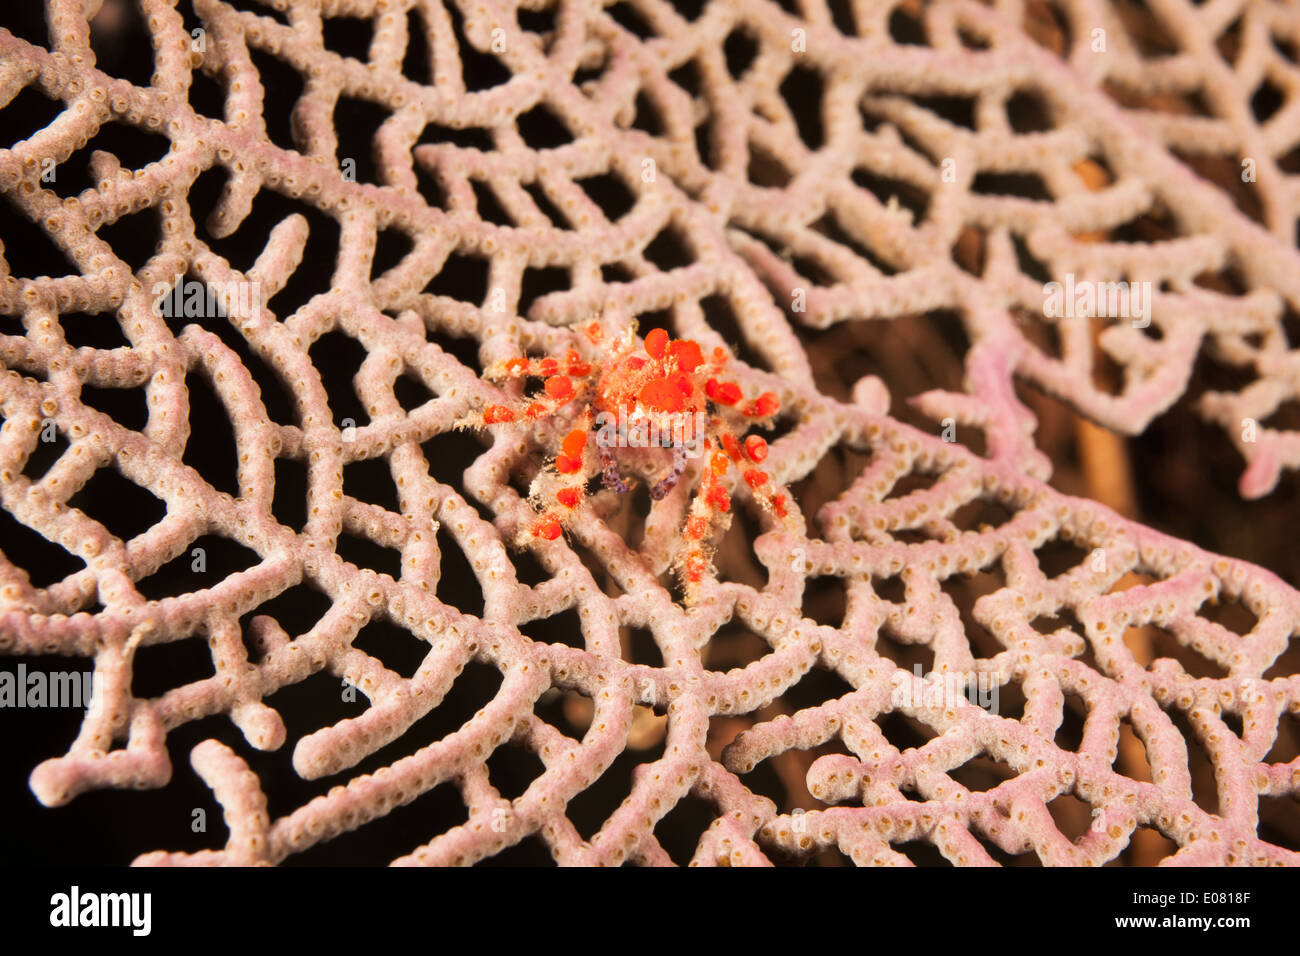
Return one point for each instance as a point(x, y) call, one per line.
point(659, 394)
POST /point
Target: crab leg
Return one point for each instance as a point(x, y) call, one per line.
point(521, 367)
point(558, 389)
point(747, 458)
point(669, 481)
point(572, 465)
point(609, 472)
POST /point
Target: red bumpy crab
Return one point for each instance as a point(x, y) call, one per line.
point(666, 395)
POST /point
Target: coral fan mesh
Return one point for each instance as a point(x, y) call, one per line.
point(265, 535)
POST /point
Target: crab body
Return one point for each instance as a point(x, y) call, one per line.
point(664, 394)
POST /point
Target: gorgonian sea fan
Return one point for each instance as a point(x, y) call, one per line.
point(251, 513)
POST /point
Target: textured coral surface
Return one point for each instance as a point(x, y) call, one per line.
point(298, 584)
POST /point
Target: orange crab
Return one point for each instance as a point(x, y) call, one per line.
point(664, 394)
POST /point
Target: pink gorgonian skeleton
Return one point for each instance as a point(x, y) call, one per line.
point(306, 592)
